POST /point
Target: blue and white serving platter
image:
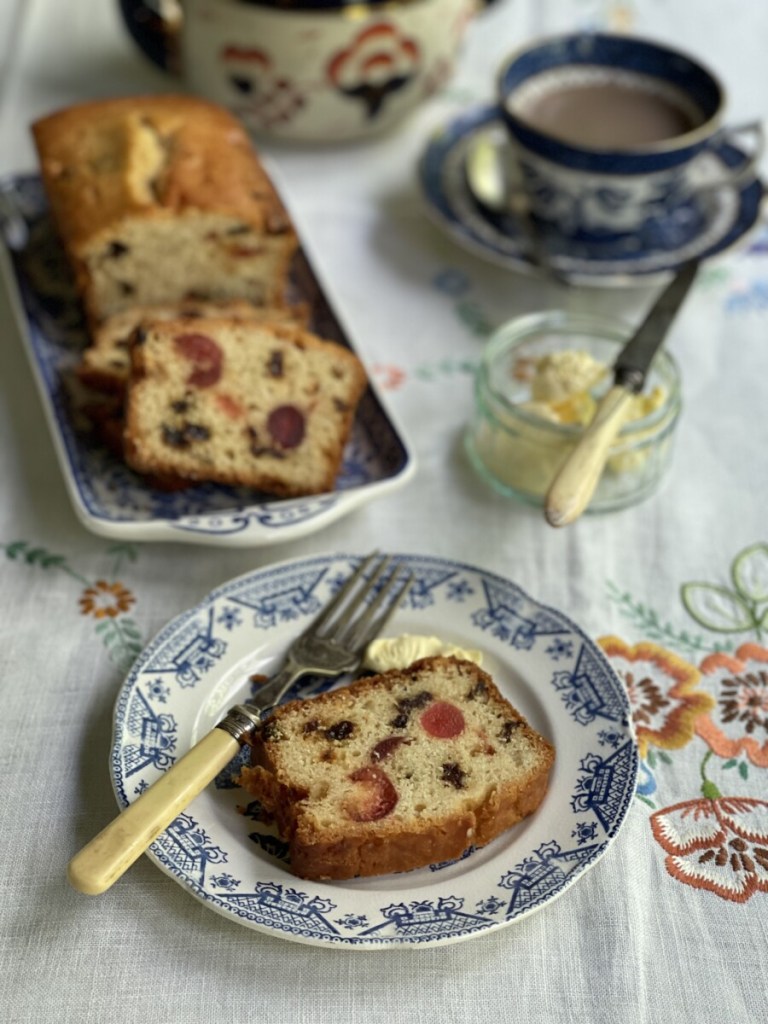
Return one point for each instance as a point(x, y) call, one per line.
point(728, 215)
point(108, 497)
point(219, 850)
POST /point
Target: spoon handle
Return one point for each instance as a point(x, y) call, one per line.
point(575, 482)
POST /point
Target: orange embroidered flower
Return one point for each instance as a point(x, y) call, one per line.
point(720, 844)
point(662, 692)
point(106, 600)
point(739, 722)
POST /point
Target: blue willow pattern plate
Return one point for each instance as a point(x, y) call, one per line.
point(107, 496)
point(200, 665)
point(729, 215)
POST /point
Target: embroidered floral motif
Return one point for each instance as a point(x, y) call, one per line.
point(738, 723)
point(663, 693)
point(741, 606)
point(106, 599)
point(716, 844)
point(738, 608)
point(106, 602)
point(389, 377)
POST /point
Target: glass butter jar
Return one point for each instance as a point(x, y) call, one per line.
point(537, 386)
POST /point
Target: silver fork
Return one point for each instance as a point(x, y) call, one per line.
point(333, 644)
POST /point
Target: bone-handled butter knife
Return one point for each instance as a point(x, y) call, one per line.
point(575, 482)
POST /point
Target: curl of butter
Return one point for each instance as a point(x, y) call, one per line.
point(387, 653)
point(560, 375)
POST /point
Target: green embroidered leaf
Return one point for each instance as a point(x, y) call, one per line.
point(473, 317)
point(723, 647)
point(710, 791)
point(15, 549)
point(716, 608)
point(730, 763)
point(744, 769)
point(647, 621)
point(119, 656)
point(750, 572)
point(651, 758)
point(36, 555)
point(446, 368)
point(664, 756)
point(128, 551)
point(130, 629)
point(51, 561)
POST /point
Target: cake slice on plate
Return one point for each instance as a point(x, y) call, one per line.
point(397, 771)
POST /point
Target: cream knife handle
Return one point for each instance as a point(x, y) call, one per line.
point(109, 855)
point(574, 485)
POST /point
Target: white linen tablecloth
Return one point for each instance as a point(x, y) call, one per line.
point(635, 940)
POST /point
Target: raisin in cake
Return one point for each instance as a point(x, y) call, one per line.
point(106, 362)
point(268, 406)
point(397, 771)
point(162, 198)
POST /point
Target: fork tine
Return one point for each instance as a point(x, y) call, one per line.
point(341, 621)
point(369, 625)
point(342, 594)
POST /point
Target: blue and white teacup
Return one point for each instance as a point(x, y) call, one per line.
point(619, 139)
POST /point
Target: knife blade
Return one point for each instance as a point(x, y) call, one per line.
point(575, 482)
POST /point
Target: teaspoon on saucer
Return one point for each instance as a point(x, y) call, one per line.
point(494, 180)
point(488, 176)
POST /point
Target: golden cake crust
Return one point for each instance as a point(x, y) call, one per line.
point(160, 199)
point(155, 156)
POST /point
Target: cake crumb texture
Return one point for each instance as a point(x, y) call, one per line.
point(106, 362)
point(397, 771)
point(262, 405)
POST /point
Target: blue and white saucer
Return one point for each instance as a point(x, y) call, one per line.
point(730, 213)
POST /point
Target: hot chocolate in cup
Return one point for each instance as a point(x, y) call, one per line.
point(619, 139)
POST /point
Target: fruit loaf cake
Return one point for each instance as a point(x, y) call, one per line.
point(268, 406)
point(162, 198)
point(397, 771)
point(106, 362)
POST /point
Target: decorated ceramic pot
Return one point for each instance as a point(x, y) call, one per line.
point(321, 70)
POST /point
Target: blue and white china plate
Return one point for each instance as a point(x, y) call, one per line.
point(218, 849)
point(109, 498)
point(729, 214)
